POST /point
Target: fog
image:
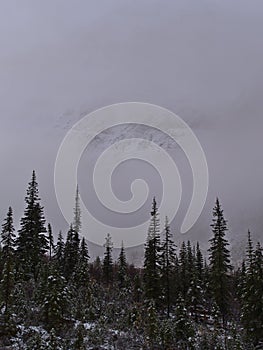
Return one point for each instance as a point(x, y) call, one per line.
point(201, 59)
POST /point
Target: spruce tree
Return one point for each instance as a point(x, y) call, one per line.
point(183, 271)
point(219, 261)
point(32, 242)
point(190, 261)
point(81, 270)
point(84, 252)
point(8, 244)
point(258, 294)
point(197, 287)
point(55, 299)
point(152, 257)
point(250, 253)
point(122, 267)
point(71, 252)
point(77, 213)
point(252, 300)
point(80, 284)
point(50, 241)
point(59, 251)
point(107, 261)
point(195, 294)
point(8, 236)
point(168, 256)
point(199, 263)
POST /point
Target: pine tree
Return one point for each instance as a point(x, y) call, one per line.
point(107, 261)
point(55, 299)
point(59, 251)
point(77, 213)
point(250, 254)
point(80, 284)
point(190, 261)
point(122, 267)
point(81, 270)
point(219, 261)
point(195, 294)
point(247, 282)
point(176, 283)
point(71, 252)
point(50, 241)
point(241, 280)
point(191, 277)
point(258, 301)
point(199, 262)
point(8, 235)
point(252, 300)
point(84, 252)
point(183, 271)
point(8, 243)
point(168, 256)
point(32, 242)
point(152, 257)
point(197, 287)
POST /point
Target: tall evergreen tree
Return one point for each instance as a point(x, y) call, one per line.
point(107, 261)
point(190, 261)
point(152, 257)
point(183, 271)
point(8, 235)
point(77, 213)
point(122, 267)
point(168, 257)
point(80, 284)
point(199, 262)
point(252, 299)
point(219, 261)
point(32, 242)
point(195, 294)
point(8, 243)
point(59, 251)
point(249, 254)
point(84, 252)
point(258, 301)
point(55, 299)
point(71, 252)
point(50, 241)
point(81, 270)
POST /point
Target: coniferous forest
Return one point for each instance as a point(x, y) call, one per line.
point(54, 297)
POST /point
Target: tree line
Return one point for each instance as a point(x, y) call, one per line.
point(53, 297)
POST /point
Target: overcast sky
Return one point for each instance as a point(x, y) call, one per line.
point(202, 59)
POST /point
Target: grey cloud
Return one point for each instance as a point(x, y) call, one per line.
point(201, 59)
